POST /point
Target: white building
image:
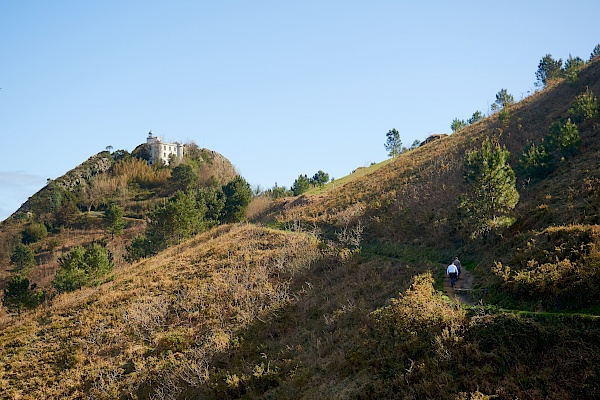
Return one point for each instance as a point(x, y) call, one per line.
point(161, 152)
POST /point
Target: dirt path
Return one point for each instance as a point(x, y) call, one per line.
point(460, 291)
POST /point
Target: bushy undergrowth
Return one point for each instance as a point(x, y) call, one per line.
point(558, 268)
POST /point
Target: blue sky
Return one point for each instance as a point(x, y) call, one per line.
point(280, 88)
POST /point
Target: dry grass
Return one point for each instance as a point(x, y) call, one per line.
point(189, 300)
point(247, 311)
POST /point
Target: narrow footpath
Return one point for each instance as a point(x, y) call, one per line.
point(460, 292)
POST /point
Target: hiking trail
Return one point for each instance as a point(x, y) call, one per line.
point(460, 292)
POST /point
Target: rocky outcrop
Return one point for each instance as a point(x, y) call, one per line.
point(76, 179)
point(433, 137)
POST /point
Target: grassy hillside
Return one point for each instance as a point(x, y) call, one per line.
point(338, 294)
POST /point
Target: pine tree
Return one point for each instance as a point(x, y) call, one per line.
point(393, 144)
point(113, 217)
point(491, 190)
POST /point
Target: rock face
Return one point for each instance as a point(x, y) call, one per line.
point(433, 137)
point(77, 178)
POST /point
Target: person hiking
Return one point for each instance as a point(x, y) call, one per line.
point(457, 263)
point(452, 271)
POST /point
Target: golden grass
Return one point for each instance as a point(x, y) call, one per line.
point(180, 299)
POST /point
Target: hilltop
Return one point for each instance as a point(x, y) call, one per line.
point(336, 294)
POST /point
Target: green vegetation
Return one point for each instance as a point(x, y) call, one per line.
point(490, 194)
point(393, 143)
point(113, 218)
point(348, 298)
point(503, 100)
point(82, 266)
point(238, 194)
point(595, 53)
point(20, 295)
point(476, 117)
point(549, 70)
point(457, 124)
point(584, 107)
point(34, 233)
point(22, 256)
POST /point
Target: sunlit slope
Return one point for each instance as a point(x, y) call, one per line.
point(189, 301)
point(414, 198)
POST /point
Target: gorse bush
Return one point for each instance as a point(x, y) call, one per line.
point(559, 268)
point(419, 325)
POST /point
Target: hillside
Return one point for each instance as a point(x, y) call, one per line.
point(333, 295)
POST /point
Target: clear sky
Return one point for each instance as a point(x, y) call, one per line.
point(280, 88)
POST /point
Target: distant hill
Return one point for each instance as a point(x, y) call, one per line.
point(335, 294)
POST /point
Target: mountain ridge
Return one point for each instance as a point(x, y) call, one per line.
point(338, 294)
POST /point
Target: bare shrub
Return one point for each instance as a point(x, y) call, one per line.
point(147, 317)
point(351, 236)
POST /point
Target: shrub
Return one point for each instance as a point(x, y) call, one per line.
point(535, 162)
point(81, 267)
point(34, 233)
point(584, 107)
point(22, 256)
point(20, 294)
point(563, 138)
point(139, 248)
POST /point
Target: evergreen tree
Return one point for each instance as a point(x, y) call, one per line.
point(238, 195)
point(19, 294)
point(183, 177)
point(393, 144)
point(81, 266)
point(320, 178)
point(563, 138)
point(113, 218)
point(213, 200)
point(595, 52)
point(34, 233)
point(503, 98)
point(457, 124)
point(22, 256)
point(535, 162)
point(301, 185)
point(179, 218)
point(491, 192)
point(477, 116)
point(584, 107)
point(572, 68)
point(548, 70)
